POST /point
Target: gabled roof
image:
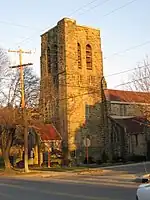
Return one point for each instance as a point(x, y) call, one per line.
point(47, 132)
point(127, 96)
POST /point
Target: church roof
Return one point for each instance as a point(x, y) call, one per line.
point(127, 96)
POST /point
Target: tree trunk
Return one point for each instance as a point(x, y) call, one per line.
point(6, 151)
point(6, 160)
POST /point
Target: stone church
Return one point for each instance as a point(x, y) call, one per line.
point(71, 82)
point(75, 99)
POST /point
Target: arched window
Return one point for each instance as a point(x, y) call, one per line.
point(79, 56)
point(88, 57)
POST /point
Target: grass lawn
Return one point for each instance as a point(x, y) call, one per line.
point(1, 169)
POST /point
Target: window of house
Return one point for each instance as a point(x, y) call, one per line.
point(88, 57)
point(79, 56)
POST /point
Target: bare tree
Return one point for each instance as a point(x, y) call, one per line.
point(10, 96)
point(140, 84)
point(141, 77)
point(4, 61)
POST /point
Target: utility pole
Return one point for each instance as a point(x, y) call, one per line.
point(20, 52)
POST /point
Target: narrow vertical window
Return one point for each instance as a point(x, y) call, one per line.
point(136, 140)
point(48, 59)
point(54, 63)
point(87, 111)
point(55, 57)
point(90, 80)
point(88, 57)
point(80, 80)
point(79, 56)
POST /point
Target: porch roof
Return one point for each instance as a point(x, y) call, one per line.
point(133, 125)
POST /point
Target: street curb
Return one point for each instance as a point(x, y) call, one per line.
point(125, 165)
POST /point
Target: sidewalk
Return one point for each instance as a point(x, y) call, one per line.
point(92, 173)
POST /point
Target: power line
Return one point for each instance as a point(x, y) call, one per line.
point(140, 79)
point(43, 30)
point(96, 90)
point(35, 28)
point(119, 8)
point(18, 25)
point(100, 78)
point(28, 38)
point(100, 4)
point(109, 75)
point(125, 71)
point(129, 49)
point(113, 74)
point(80, 8)
point(120, 72)
point(112, 11)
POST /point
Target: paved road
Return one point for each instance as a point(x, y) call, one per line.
point(11, 189)
point(133, 168)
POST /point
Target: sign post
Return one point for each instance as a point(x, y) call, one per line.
point(87, 144)
point(49, 158)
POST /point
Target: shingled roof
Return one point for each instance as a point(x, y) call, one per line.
point(127, 96)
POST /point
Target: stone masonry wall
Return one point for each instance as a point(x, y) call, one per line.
point(79, 87)
point(44, 75)
point(83, 85)
point(137, 144)
point(122, 109)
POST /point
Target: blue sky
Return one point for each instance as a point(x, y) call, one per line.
point(120, 30)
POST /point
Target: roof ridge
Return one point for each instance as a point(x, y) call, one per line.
point(144, 92)
point(127, 96)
